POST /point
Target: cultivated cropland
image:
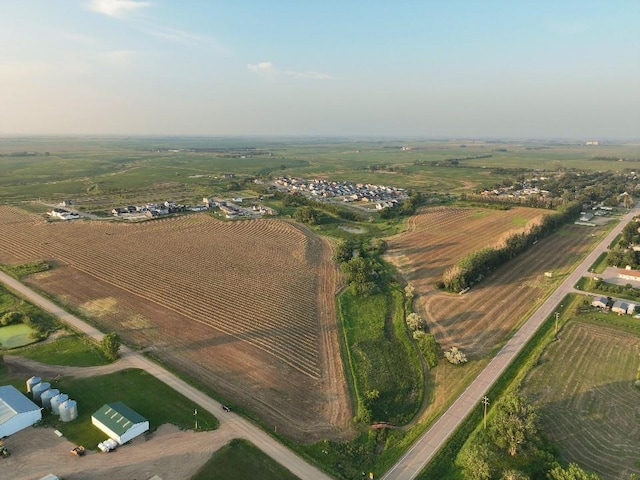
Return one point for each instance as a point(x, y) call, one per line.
point(292, 305)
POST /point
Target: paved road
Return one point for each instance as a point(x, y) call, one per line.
point(425, 448)
point(241, 428)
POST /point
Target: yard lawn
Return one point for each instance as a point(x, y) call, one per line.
point(14, 336)
point(140, 391)
point(72, 350)
point(239, 460)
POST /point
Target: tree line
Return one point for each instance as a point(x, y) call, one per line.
point(315, 207)
point(481, 263)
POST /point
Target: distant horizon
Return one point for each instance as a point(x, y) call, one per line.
point(435, 138)
point(491, 69)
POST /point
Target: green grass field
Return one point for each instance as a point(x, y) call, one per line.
point(125, 169)
point(14, 336)
point(137, 389)
point(381, 357)
point(240, 460)
point(71, 350)
point(584, 389)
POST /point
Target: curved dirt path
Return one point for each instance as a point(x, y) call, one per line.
point(21, 366)
point(240, 428)
point(426, 447)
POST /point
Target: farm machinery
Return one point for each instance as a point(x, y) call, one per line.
point(78, 451)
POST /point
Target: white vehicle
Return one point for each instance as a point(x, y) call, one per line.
point(108, 445)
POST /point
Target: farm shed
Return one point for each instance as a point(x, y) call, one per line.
point(120, 422)
point(620, 307)
point(17, 412)
point(600, 302)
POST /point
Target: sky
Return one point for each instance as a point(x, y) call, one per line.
point(420, 68)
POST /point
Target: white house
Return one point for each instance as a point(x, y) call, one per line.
point(600, 302)
point(119, 422)
point(619, 307)
point(17, 412)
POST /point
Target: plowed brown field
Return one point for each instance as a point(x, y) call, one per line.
point(485, 316)
point(478, 320)
point(246, 307)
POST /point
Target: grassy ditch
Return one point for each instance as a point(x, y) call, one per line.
point(600, 265)
point(19, 271)
point(382, 361)
point(238, 460)
point(72, 350)
point(133, 387)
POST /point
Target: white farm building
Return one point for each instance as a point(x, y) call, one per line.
point(119, 422)
point(17, 412)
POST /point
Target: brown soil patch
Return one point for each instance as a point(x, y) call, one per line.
point(246, 308)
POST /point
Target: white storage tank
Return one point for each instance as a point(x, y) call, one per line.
point(57, 401)
point(31, 382)
point(38, 389)
point(46, 397)
point(68, 410)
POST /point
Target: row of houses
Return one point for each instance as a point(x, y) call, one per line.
point(155, 209)
point(231, 210)
point(616, 306)
point(347, 191)
point(62, 214)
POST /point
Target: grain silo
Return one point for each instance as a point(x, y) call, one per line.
point(38, 389)
point(68, 410)
point(31, 382)
point(46, 397)
point(57, 401)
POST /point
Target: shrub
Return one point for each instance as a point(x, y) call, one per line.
point(455, 356)
point(10, 318)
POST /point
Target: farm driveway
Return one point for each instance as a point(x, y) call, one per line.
point(240, 428)
point(425, 448)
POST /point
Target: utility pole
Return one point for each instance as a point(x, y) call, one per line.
point(556, 329)
point(485, 402)
point(195, 414)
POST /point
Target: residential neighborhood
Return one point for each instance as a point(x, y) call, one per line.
point(383, 196)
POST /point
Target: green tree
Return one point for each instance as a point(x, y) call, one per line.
point(572, 472)
point(361, 274)
point(308, 215)
point(476, 462)
point(110, 345)
point(513, 475)
point(515, 424)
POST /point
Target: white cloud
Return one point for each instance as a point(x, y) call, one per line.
point(268, 69)
point(180, 36)
point(120, 58)
point(262, 68)
point(117, 8)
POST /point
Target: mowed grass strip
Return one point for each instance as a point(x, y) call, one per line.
point(239, 460)
point(72, 350)
point(140, 391)
point(380, 358)
point(584, 389)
